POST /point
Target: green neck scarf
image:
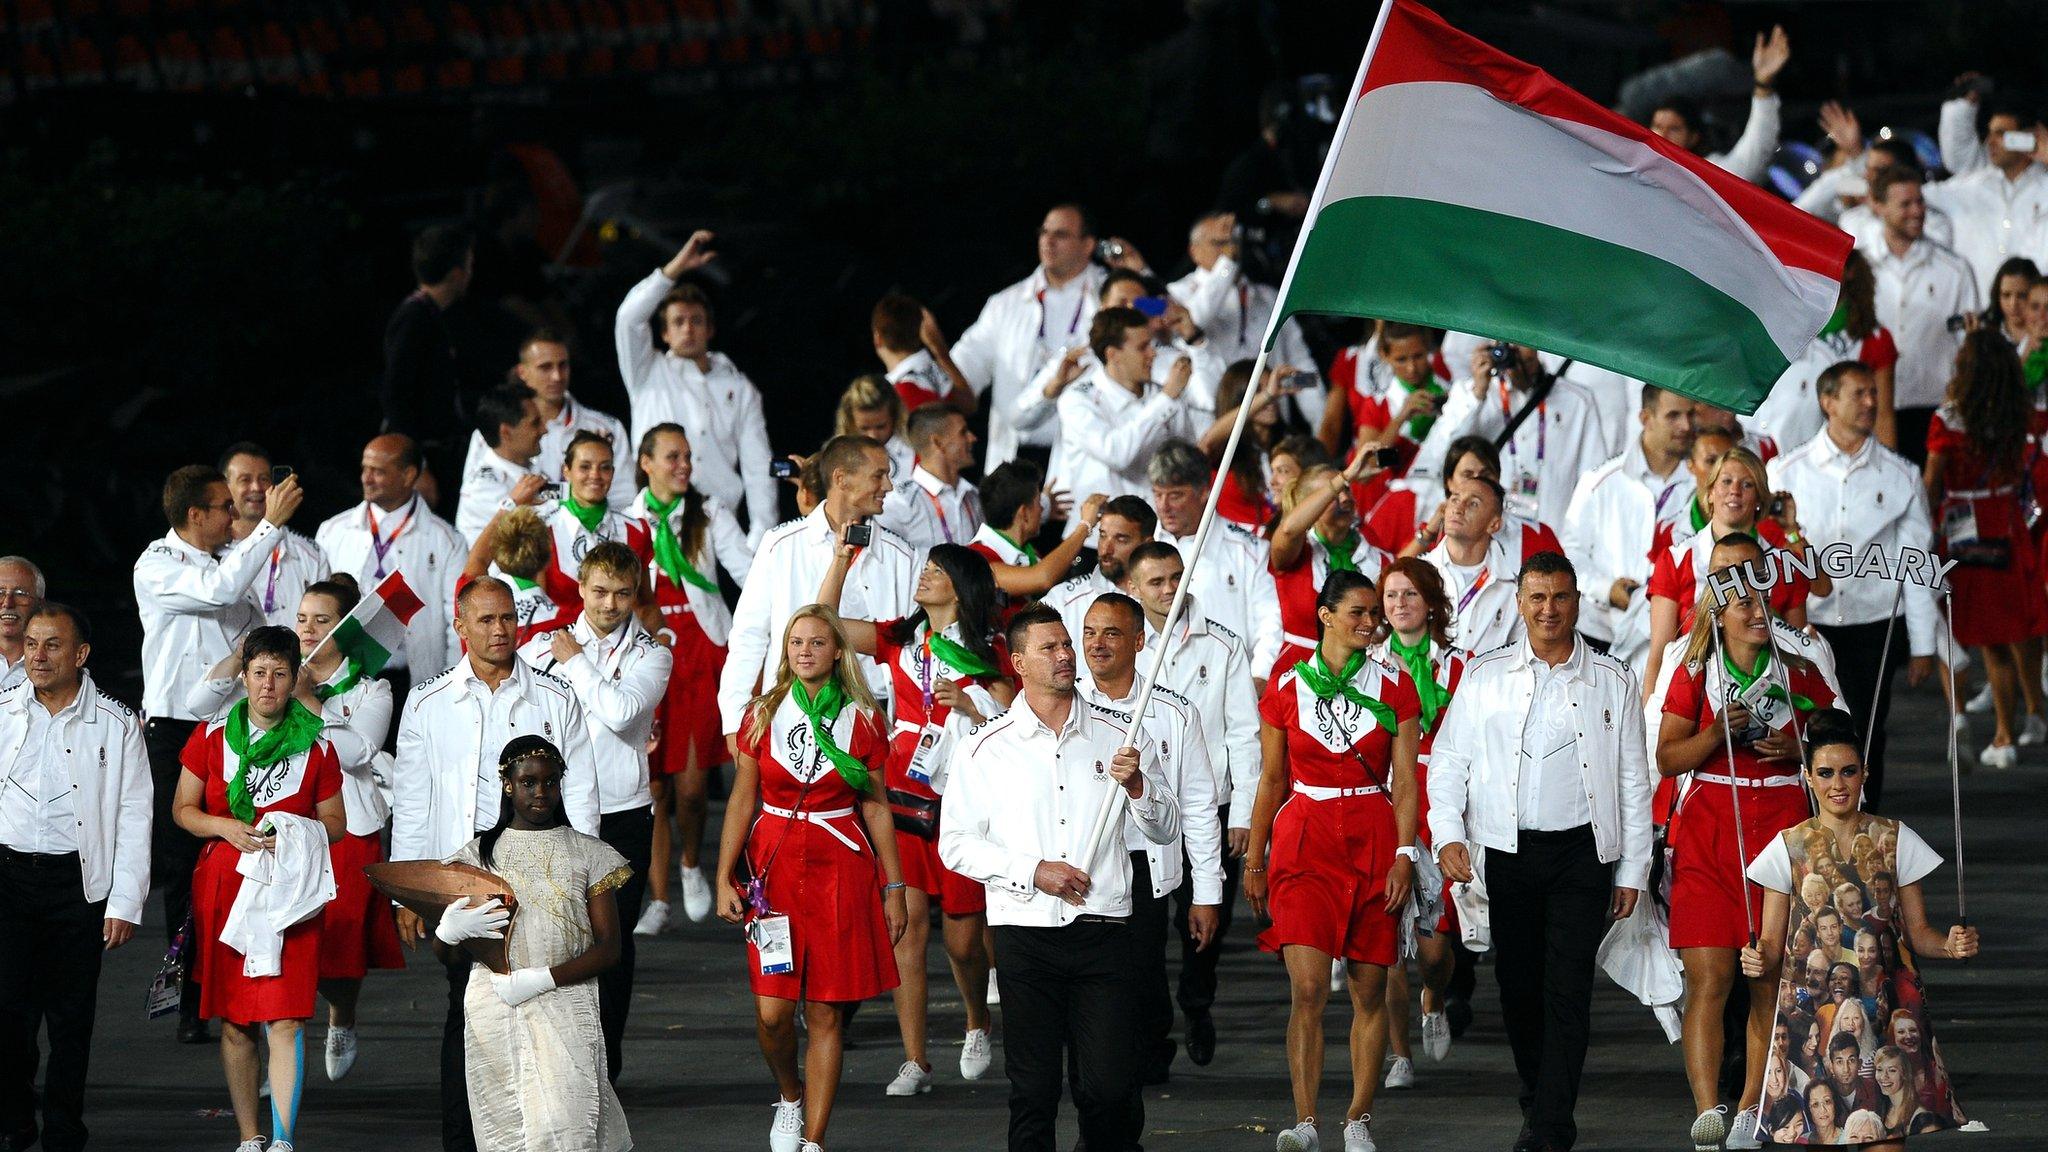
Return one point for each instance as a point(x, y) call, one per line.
point(957, 656)
point(521, 583)
point(2036, 365)
point(1743, 680)
point(347, 681)
point(295, 733)
point(822, 712)
point(1699, 515)
point(1340, 553)
point(588, 516)
point(1420, 670)
point(1419, 424)
point(1325, 684)
point(1030, 553)
point(668, 551)
point(1837, 322)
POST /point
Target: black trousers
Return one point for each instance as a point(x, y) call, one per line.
point(1857, 649)
point(1197, 990)
point(632, 833)
point(50, 950)
point(1067, 988)
point(400, 680)
point(174, 852)
point(1912, 425)
point(457, 1133)
point(1549, 911)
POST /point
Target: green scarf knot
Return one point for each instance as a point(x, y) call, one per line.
point(1419, 424)
point(591, 517)
point(668, 551)
point(295, 732)
point(1325, 684)
point(822, 711)
point(1342, 553)
point(1420, 670)
point(1743, 680)
point(347, 681)
point(1699, 516)
point(956, 656)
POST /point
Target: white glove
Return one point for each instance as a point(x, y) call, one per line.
point(460, 921)
point(522, 985)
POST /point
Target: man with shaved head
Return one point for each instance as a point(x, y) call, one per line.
point(393, 530)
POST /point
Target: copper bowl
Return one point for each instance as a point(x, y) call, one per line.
point(427, 887)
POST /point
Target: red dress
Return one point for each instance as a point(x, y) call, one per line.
point(820, 871)
point(687, 717)
point(1448, 667)
point(294, 785)
point(1677, 566)
point(1327, 859)
point(1993, 605)
point(912, 670)
point(1298, 588)
point(1706, 897)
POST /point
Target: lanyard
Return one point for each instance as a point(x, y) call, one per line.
point(924, 675)
point(1466, 599)
point(1542, 427)
point(1244, 292)
point(1073, 325)
point(270, 589)
point(1663, 498)
point(939, 510)
point(378, 543)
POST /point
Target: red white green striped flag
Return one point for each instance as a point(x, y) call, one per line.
point(375, 628)
point(1470, 191)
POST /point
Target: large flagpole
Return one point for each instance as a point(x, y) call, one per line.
point(1110, 811)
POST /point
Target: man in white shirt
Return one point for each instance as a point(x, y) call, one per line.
point(194, 601)
point(295, 562)
point(1113, 420)
point(915, 358)
point(543, 368)
point(681, 381)
point(1679, 120)
point(936, 504)
point(1124, 524)
point(1233, 580)
point(1614, 515)
point(1021, 799)
point(508, 422)
point(22, 587)
point(619, 674)
point(75, 802)
point(393, 530)
point(1541, 762)
point(1232, 310)
point(445, 786)
point(1850, 489)
point(1924, 292)
point(791, 563)
point(1999, 210)
point(1029, 324)
point(1560, 441)
point(1206, 663)
point(1478, 565)
point(1860, 221)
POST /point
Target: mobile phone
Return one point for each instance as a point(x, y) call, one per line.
point(550, 492)
point(1150, 306)
point(859, 535)
point(1109, 251)
point(1777, 505)
point(278, 473)
point(1957, 323)
point(1387, 457)
point(782, 469)
point(2018, 141)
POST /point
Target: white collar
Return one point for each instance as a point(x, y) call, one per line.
point(187, 547)
point(491, 456)
point(916, 362)
point(934, 485)
point(79, 710)
point(470, 684)
point(1573, 666)
point(1831, 451)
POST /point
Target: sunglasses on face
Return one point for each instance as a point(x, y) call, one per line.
point(1846, 772)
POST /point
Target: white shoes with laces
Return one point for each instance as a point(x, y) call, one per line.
point(1710, 1129)
point(787, 1133)
point(653, 919)
point(976, 1053)
point(1744, 1135)
point(910, 1080)
point(1358, 1135)
point(1436, 1036)
point(252, 1144)
point(1400, 1073)
point(696, 895)
point(341, 1051)
point(1300, 1138)
point(1999, 756)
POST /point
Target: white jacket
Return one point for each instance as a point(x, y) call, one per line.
point(1563, 440)
point(1183, 763)
point(1475, 764)
point(619, 679)
point(1235, 585)
point(1607, 532)
point(1917, 295)
point(1488, 619)
point(290, 881)
point(428, 551)
point(725, 545)
point(193, 605)
point(1232, 311)
point(554, 448)
point(1107, 436)
point(1015, 335)
point(294, 562)
point(719, 409)
point(1207, 664)
point(487, 483)
point(450, 733)
point(112, 793)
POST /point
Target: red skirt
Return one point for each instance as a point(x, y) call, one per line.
point(224, 992)
point(361, 931)
point(688, 717)
point(922, 868)
point(1326, 878)
point(832, 895)
point(1706, 897)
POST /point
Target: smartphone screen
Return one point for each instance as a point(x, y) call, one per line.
point(1387, 457)
point(2018, 141)
point(1150, 306)
point(782, 469)
point(278, 472)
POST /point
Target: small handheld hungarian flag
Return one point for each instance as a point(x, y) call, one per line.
point(1470, 191)
point(375, 628)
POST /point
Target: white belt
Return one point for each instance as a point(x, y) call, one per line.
point(903, 726)
point(819, 818)
point(1788, 781)
point(1298, 640)
point(1318, 792)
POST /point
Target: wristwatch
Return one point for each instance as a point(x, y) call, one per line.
point(1409, 852)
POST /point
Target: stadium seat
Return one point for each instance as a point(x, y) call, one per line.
point(464, 33)
point(228, 59)
point(82, 64)
point(132, 65)
point(277, 58)
point(179, 62)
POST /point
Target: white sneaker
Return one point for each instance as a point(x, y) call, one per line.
point(1981, 702)
point(252, 1144)
point(654, 920)
point(787, 1133)
point(811, 1146)
point(1710, 1128)
point(281, 1146)
point(2033, 731)
point(1400, 1074)
point(1744, 1134)
point(696, 895)
point(994, 997)
point(910, 1081)
point(975, 1054)
point(1358, 1134)
point(341, 1051)
point(1999, 756)
point(1337, 974)
point(1300, 1138)
point(1436, 1035)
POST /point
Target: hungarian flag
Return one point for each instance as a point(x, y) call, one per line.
point(1470, 191)
point(375, 629)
